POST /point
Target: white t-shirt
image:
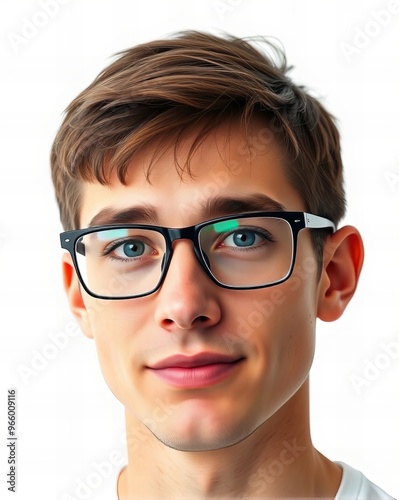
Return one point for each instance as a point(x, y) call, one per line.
point(354, 486)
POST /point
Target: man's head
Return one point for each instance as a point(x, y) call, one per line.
point(159, 92)
point(165, 136)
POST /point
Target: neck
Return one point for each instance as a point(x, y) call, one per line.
point(277, 460)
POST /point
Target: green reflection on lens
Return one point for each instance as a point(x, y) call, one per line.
point(225, 225)
point(112, 233)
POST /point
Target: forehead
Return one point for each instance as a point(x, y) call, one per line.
point(228, 164)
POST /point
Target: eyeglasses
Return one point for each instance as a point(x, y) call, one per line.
point(245, 251)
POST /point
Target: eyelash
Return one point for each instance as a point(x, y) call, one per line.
point(116, 244)
point(258, 231)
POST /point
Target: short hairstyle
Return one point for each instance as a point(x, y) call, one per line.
point(154, 93)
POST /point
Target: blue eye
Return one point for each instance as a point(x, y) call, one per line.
point(130, 249)
point(244, 238)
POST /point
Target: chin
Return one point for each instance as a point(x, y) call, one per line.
point(201, 438)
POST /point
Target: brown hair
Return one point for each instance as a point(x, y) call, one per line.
point(155, 92)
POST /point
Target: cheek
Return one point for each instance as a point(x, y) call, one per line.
point(115, 326)
point(294, 347)
point(277, 327)
point(298, 322)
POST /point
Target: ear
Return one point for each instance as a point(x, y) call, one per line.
point(74, 295)
point(342, 262)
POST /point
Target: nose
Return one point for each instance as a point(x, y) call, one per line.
point(187, 298)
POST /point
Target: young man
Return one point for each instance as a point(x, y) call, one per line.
point(200, 190)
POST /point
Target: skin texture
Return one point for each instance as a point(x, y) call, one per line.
point(232, 438)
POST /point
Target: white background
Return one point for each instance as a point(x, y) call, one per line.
point(67, 417)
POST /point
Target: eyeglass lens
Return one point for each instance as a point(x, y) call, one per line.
point(243, 253)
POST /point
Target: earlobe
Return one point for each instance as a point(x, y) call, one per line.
point(342, 264)
point(74, 295)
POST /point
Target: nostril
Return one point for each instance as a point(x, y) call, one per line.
point(202, 319)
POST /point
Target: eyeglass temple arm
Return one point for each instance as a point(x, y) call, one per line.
point(317, 222)
point(80, 248)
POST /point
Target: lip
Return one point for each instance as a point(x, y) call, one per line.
point(200, 370)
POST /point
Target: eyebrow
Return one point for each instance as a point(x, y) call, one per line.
point(255, 202)
point(138, 214)
point(214, 207)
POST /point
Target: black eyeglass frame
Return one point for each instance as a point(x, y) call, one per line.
point(296, 220)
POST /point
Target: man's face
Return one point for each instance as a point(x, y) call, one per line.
point(268, 332)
